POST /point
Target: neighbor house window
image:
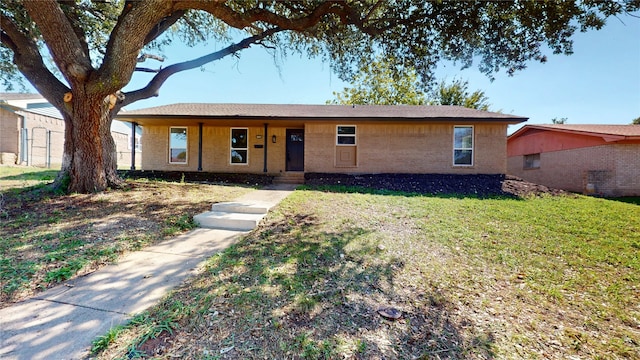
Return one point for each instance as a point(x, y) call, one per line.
point(178, 145)
point(138, 143)
point(463, 145)
point(239, 146)
point(346, 135)
point(532, 161)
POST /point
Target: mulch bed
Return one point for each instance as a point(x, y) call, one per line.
point(480, 185)
point(437, 184)
point(199, 177)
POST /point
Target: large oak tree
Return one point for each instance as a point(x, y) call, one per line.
point(80, 54)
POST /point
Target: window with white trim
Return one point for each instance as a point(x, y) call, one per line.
point(531, 161)
point(463, 145)
point(239, 146)
point(346, 135)
point(178, 145)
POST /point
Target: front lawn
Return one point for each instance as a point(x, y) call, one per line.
point(48, 238)
point(546, 277)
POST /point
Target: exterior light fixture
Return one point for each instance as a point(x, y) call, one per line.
point(273, 139)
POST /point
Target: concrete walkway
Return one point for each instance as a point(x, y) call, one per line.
point(61, 322)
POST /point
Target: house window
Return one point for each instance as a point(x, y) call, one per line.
point(463, 145)
point(532, 161)
point(138, 143)
point(346, 135)
point(178, 145)
point(239, 146)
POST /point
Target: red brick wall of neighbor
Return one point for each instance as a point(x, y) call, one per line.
point(539, 141)
point(612, 170)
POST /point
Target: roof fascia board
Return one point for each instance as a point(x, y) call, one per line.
point(134, 117)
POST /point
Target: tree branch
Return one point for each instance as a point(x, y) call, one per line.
point(154, 85)
point(74, 21)
point(125, 42)
point(144, 57)
point(149, 70)
point(30, 63)
point(61, 39)
point(250, 17)
point(164, 24)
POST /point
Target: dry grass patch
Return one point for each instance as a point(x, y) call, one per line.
point(546, 277)
point(46, 238)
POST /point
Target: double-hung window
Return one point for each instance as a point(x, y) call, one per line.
point(239, 146)
point(463, 145)
point(178, 145)
point(346, 135)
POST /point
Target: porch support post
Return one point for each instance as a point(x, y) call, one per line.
point(133, 145)
point(264, 139)
point(199, 146)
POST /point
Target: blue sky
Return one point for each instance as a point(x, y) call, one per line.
point(599, 83)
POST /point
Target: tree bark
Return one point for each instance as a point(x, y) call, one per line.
point(89, 160)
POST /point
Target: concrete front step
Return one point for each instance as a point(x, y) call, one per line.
point(290, 178)
point(241, 207)
point(228, 220)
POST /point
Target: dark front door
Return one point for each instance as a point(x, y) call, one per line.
point(295, 149)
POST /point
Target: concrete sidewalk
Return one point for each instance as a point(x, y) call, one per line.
point(61, 322)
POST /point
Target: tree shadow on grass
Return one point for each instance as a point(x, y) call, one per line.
point(292, 289)
point(47, 238)
point(44, 175)
point(635, 200)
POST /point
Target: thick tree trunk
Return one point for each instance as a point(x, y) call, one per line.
point(89, 160)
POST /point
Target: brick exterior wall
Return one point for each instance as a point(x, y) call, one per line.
point(216, 156)
point(406, 148)
point(9, 136)
point(45, 141)
point(612, 170)
point(381, 148)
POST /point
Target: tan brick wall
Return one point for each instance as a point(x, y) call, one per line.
point(9, 123)
point(401, 148)
point(216, 155)
point(613, 169)
point(405, 148)
point(38, 127)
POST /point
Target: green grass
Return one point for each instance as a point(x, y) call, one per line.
point(27, 173)
point(475, 278)
point(48, 238)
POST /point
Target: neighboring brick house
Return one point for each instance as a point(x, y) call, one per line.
point(592, 159)
point(281, 139)
point(32, 133)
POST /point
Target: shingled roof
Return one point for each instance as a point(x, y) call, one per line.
point(319, 112)
point(611, 132)
point(8, 96)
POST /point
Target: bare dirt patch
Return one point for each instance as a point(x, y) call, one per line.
point(46, 239)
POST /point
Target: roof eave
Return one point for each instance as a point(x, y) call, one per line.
point(134, 117)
